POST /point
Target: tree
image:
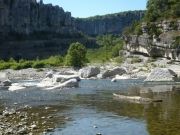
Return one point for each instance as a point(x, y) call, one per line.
point(107, 42)
point(76, 55)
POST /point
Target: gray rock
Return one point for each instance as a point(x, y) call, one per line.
point(89, 72)
point(73, 83)
point(64, 78)
point(49, 74)
point(114, 80)
point(113, 72)
point(6, 83)
point(161, 74)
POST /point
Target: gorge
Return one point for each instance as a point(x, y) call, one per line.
point(31, 29)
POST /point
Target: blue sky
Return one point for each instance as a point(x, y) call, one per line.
point(86, 8)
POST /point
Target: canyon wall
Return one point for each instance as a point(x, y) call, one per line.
point(31, 29)
point(165, 44)
point(107, 24)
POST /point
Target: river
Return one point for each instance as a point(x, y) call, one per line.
point(91, 109)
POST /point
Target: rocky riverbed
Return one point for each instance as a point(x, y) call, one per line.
point(26, 119)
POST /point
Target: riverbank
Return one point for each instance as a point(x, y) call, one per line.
point(132, 69)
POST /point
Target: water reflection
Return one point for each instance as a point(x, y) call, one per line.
point(91, 109)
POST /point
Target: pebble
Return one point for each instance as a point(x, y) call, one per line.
point(33, 126)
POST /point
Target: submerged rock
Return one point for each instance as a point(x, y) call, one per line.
point(161, 74)
point(89, 72)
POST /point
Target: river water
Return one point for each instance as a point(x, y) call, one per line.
point(92, 109)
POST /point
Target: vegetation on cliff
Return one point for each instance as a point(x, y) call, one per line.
point(162, 9)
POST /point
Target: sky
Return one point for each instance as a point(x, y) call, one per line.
point(87, 8)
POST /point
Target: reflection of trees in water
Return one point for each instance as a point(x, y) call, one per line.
point(162, 118)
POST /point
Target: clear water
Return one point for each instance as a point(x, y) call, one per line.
point(91, 109)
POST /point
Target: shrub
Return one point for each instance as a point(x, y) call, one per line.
point(76, 55)
point(116, 49)
point(4, 66)
point(55, 61)
point(38, 64)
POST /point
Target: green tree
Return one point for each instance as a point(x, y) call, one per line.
point(76, 55)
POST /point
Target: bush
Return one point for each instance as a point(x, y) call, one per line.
point(38, 64)
point(176, 43)
point(76, 55)
point(4, 66)
point(55, 61)
point(116, 49)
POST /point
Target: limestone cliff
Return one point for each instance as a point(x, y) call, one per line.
point(31, 29)
point(29, 16)
point(107, 24)
point(157, 39)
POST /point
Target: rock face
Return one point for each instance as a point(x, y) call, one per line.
point(112, 24)
point(89, 72)
point(29, 29)
point(161, 74)
point(151, 44)
point(28, 17)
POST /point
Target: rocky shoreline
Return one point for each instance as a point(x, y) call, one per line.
point(24, 120)
point(58, 78)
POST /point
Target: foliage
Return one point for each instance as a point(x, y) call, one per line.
point(176, 43)
point(98, 55)
point(153, 30)
point(76, 55)
point(162, 9)
point(23, 64)
point(110, 43)
point(116, 49)
point(135, 28)
point(109, 48)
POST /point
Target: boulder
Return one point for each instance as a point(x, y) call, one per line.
point(15, 87)
point(113, 72)
point(49, 74)
point(3, 76)
point(57, 80)
point(6, 83)
point(89, 72)
point(114, 80)
point(161, 74)
point(64, 78)
point(47, 82)
point(72, 83)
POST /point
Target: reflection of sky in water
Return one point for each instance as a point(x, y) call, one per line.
point(85, 121)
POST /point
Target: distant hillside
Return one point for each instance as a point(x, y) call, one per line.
point(107, 24)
